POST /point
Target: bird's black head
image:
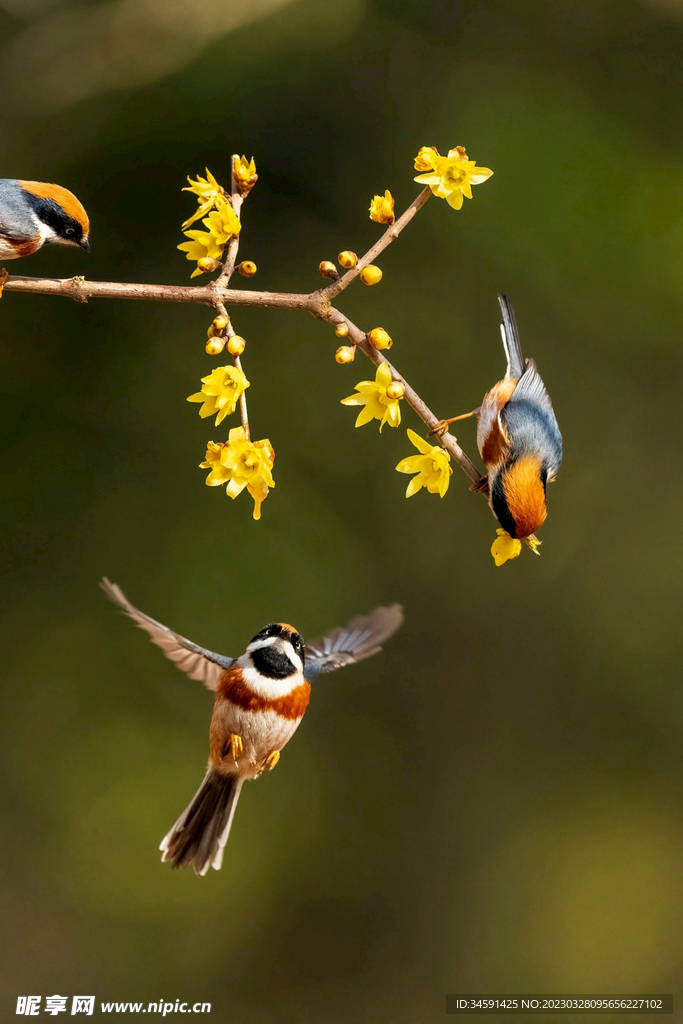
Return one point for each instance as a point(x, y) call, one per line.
point(283, 630)
point(60, 211)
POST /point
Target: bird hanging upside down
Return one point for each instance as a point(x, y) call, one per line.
point(260, 700)
point(33, 213)
point(518, 439)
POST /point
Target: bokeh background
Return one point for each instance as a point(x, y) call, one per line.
point(496, 803)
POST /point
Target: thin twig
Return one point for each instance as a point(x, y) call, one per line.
point(447, 441)
point(390, 235)
point(221, 285)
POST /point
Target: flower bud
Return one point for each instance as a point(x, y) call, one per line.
point(207, 264)
point(345, 354)
point(236, 345)
point(341, 330)
point(244, 174)
point(219, 324)
point(379, 338)
point(328, 269)
point(426, 159)
point(247, 268)
point(371, 275)
point(347, 259)
point(382, 208)
point(215, 346)
point(396, 389)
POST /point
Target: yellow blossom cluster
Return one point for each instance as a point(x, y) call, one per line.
point(219, 219)
point(238, 463)
point(449, 177)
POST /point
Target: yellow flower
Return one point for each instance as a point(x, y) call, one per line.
point(432, 467)
point(452, 176)
point(505, 547)
point(426, 158)
point(222, 223)
point(209, 192)
point(218, 475)
point(202, 244)
point(244, 174)
point(382, 208)
point(241, 463)
point(221, 391)
point(378, 405)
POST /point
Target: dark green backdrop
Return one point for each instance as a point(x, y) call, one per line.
point(496, 803)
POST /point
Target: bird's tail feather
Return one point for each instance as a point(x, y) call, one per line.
point(201, 832)
point(511, 342)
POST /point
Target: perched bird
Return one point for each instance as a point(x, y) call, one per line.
point(260, 700)
point(518, 439)
point(33, 213)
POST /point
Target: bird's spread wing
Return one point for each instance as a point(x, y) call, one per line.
point(197, 662)
point(362, 638)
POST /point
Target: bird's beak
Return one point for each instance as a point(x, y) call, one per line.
point(85, 244)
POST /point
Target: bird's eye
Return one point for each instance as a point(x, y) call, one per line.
point(69, 231)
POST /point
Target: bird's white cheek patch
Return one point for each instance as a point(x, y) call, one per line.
point(265, 687)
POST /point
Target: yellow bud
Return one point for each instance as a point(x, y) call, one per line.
point(247, 268)
point(207, 264)
point(341, 330)
point(219, 324)
point(396, 389)
point(382, 208)
point(345, 354)
point(215, 346)
point(347, 259)
point(426, 159)
point(371, 275)
point(328, 269)
point(379, 338)
point(236, 345)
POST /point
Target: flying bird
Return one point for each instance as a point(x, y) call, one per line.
point(260, 700)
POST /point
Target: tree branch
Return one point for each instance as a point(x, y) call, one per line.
point(218, 295)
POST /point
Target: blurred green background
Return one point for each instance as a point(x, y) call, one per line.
point(496, 803)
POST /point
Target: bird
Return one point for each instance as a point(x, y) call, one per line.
point(33, 213)
point(260, 700)
point(518, 438)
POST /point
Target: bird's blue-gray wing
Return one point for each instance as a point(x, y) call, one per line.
point(195, 661)
point(345, 645)
point(14, 220)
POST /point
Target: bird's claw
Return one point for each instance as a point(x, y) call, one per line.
point(481, 486)
point(3, 277)
point(439, 429)
point(235, 747)
point(270, 762)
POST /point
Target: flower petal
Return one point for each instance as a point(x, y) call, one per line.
point(455, 200)
point(364, 416)
point(422, 446)
point(414, 486)
point(480, 174)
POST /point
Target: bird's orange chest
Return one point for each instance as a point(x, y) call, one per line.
point(234, 688)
